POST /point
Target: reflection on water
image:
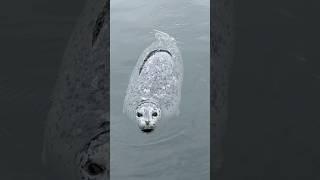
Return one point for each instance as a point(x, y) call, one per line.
point(178, 148)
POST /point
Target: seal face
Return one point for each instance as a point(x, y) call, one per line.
point(147, 116)
point(154, 89)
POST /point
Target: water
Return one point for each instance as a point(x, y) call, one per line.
point(179, 148)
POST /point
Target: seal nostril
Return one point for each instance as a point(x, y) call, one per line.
point(147, 122)
point(94, 169)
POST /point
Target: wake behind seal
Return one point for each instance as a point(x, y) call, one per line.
point(154, 90)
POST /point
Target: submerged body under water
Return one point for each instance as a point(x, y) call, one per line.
point(179, 148)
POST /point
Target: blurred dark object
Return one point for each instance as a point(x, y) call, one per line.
point(33, 37)
point(273, 126)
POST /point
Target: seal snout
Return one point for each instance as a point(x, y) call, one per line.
point(147, 127)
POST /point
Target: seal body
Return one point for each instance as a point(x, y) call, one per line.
point(154, 88)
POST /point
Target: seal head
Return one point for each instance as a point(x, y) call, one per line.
point(147, 115)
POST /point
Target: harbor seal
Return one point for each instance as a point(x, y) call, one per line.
point(154, 90)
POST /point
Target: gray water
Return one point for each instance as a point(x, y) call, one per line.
point(178, 148)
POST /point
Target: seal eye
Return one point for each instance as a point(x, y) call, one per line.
point(139, 114)
point(154, 114)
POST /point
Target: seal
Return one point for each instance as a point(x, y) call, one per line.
point(154, 90)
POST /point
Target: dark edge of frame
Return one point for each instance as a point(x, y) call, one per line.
point(107, 68)
point(221, 57)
